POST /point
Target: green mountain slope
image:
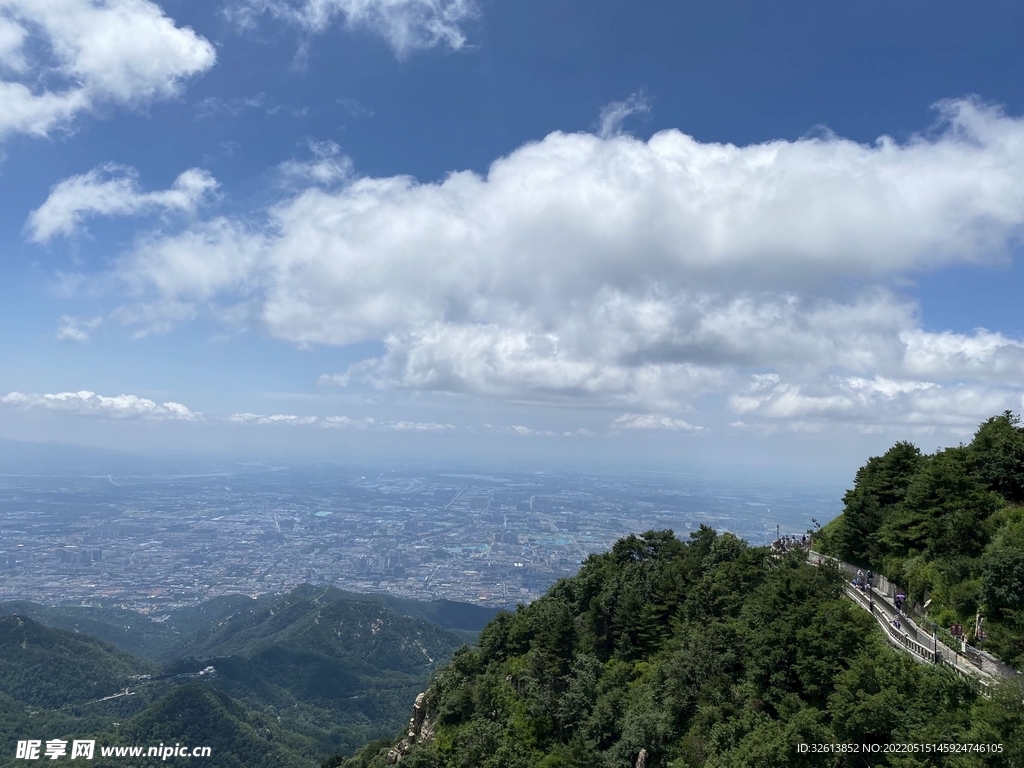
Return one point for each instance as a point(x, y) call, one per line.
point(175, 635)
point(310, 673)
point(128, 630)
point(704, 653)
point(338, 671)
point(324, 620)
point(948, 528)
point(198, 715)
point(52, 668)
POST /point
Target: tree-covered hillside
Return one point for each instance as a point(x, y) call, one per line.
point(201, 715)
point(325, 620)
point(52, 668)
point(183, 631)
point(704, 653)
point(948, 527)
point(298, 677)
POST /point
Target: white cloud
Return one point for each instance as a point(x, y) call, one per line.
point(261, 420)
point(345, 422)
point(614, 115)
point(217, 256)
point(653, 421)
point(134, 407)
point(85, 402)
point(12, 40)
point(326, 168)
point(407, 25)
point(639, 275)
point(419, 426)
point(336, 422)
point(519, 429)
point(872, 403)
point(77, 329)
point(113, 190)
point(214, 106)
point(519, 365)
point(95, 52)
point(354, 107)
point(982, 355)
point(211, 106)
point(525, 431)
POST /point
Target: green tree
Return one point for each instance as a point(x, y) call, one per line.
point(998, 456)
point(945, 509)
point(1004, 579)
point(880, 485)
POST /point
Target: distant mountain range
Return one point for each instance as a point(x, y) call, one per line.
point(185, 632)
point(295, 678)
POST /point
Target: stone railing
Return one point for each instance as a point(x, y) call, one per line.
point(923, 644)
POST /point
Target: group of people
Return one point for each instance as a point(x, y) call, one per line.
point(864, 582)
point(861, 582)
point(787, 542)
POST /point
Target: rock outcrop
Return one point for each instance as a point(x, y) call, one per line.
point(421, 731)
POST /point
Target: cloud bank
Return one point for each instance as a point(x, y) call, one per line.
point(89, 403)
point(642, 276)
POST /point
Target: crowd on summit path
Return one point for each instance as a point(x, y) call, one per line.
point(889, 607)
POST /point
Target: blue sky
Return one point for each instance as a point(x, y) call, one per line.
point(598, 230)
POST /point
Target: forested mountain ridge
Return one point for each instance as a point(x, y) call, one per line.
point(324, 620)
point(298, 677)
point(705, 653)
point(52, 668)
point(183, 631)
point(947, 527)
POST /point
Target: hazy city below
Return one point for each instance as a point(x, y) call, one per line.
point(155, 541)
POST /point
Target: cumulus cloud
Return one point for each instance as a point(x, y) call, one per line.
point(653, 421)
point(113, 190)
point(345, 422)
point(981, 355)
point(333, 422)
point(89, 403)
point(636, 275)
point(520, 429)
point(327, 422)
point(256, 418)
point(90, 52)
point(520, 365)
point(216, 257)
point(407, 25)
point(525, 431)
point(134, 407)
point(873, 403)
point(419, 426)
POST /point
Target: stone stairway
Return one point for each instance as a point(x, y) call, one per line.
point(909, 637)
